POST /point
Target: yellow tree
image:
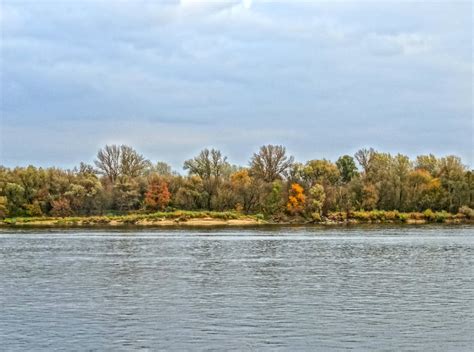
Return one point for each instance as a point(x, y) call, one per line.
point(296, 199)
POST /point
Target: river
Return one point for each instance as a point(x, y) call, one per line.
point(281, 288)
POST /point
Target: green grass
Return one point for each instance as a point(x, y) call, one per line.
point(396, 216)
point(378, 216)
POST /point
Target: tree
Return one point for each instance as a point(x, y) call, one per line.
point(108, 161)
point(61, 207)
point(273, 199)
point(210, 166)
point(296, 199)
point(428, 163)
point(3, 207)
point(247, 190)
point(365, 157)
point(126, 194)
point(114, 161)
point(190, 194)
point(400, 169)
point(321, 171)
point(451, 174)
point(16, 198)
point(132, 164)
point(347, 168)
point(162, 169)
point(85, 194)
point(157, 196)
point(270, 163)
point(369, 197)
point(317, 199)
point(273, 185)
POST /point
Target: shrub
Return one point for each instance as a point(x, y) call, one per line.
point(361, 215)
point(441, 216)
point(429, 215)
point(61, 208)
point(417, 216)
point(468, 212)
point(316, 216)
point(403, 217)
point(392, 215)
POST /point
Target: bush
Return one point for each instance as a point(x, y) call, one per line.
point(441, 216)
point(61, 208)
point(392, 215)
point(403, 217)
point(417, 216)
point(316, 217)
point(429, 215)
point(361, 215)
point(468, 212)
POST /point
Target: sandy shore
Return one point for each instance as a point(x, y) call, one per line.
point(145, 223)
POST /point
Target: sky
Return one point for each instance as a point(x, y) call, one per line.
point(172, 77)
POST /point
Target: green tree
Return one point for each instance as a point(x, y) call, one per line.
point(211, 166)
point(347, 168)
point(3, 207)
point(126, 194)
point(317, 200)
point(16, 199)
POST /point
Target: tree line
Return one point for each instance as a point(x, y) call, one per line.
point(273, 184)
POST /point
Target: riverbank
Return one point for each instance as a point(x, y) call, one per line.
point(208, 218)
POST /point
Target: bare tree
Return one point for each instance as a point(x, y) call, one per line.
point(114, 161)
point(365, 157)
point(132, 163)
point(270, 163)
point(108, 162)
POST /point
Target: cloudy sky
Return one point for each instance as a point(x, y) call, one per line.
point(172, 77)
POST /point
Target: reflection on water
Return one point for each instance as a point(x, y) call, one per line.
point(251, 289)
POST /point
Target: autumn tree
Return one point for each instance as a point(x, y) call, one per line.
point(321, 171)
point(157, 196)
point(428, 163)
point(61, 207)
point(296, 199)
point(247, 190)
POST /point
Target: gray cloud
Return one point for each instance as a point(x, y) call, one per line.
point(169, 78)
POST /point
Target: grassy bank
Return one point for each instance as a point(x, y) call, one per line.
point(199, 218)
point(211, 218)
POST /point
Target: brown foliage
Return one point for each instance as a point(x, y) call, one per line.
point(157, 196)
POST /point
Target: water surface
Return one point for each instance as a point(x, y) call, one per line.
point(363, 288)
